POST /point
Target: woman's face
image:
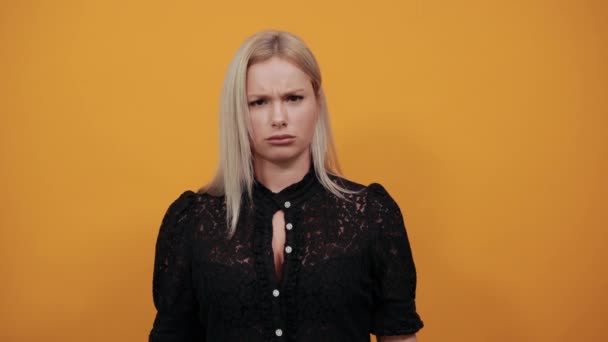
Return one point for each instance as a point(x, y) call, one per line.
point(281, 103)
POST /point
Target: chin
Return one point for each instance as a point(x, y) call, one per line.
point(286, 155)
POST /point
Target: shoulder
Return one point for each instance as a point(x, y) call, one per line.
point(380, 203)
point(378, 192)
point(185, 204)
point(373, 190)
point(346, 183)
point(373, 197)
point(189, 200)
point(186, 210)
point(182, 202)
point(178, 209)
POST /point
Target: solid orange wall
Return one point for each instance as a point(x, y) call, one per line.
point(487, 121)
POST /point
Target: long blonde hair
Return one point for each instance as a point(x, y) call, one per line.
point(235, 172)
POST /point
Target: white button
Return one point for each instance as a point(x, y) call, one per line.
point(275, 293)
point(279, 332)
point(289, 226)
point(288, 249)
point(287, 204)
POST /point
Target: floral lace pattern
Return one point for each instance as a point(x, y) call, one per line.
point(349, 271)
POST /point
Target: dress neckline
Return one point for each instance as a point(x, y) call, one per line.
point(292, 195)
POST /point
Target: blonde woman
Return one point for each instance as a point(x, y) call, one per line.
point(279, 246)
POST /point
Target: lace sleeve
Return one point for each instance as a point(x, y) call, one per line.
point(393, 268)
point(176, 307)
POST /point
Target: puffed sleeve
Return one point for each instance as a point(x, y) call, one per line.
point(392, 266)
point(176, 306)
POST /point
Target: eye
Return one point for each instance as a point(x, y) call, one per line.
point(257, 102)
point(294, 98)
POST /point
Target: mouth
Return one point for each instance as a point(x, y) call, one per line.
point(280, 137)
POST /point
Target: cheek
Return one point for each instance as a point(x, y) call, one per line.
point(307, 118)
point(255, 126)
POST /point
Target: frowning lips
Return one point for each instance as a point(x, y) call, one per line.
point(280, 136)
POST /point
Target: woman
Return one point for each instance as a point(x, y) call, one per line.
point(278, 246)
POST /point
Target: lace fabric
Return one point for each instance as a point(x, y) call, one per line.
point(349, 271)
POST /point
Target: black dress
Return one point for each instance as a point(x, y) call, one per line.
point(348, 269)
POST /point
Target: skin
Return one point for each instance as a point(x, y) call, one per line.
point(282, 101)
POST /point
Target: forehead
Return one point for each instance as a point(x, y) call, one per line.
point(275, 73)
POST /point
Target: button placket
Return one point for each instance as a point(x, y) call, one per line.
point(288, 226)
point(288, 250)
point(281, 289)
point(279, 292)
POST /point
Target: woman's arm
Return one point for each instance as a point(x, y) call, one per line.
point(174, 299)
point(394, 316)
point(400, 338)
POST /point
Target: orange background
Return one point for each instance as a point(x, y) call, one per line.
point(486, 120)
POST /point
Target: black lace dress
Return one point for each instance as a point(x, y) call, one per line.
point(348, 269)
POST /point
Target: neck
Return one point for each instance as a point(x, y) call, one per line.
point(276, 177)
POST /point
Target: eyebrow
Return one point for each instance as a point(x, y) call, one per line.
point(283, 94)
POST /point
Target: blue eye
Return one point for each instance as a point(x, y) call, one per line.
point(256, 102)
point(295, 97)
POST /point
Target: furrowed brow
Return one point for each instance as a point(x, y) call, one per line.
point(283, 94)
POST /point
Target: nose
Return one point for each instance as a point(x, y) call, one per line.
point(279, 115)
